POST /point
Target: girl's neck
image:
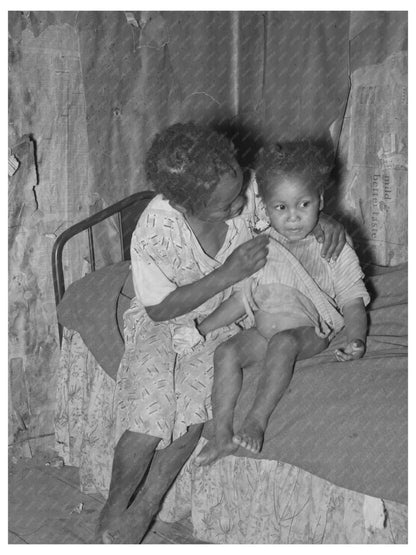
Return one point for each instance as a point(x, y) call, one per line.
point(197, 225)
point(211, 236)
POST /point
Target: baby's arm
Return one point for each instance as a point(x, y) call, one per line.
point(355, 318)
point(228, 312)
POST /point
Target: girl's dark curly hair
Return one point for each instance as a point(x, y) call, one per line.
point(308, 159)
point(186, 162)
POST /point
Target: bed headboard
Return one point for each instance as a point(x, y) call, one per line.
point(128, 211)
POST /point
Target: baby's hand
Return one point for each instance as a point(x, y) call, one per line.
point(354, 350)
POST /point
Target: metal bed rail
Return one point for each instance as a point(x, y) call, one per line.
point(128, 211)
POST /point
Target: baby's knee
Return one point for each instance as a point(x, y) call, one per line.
point(285, 340)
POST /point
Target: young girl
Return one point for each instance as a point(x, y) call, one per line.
point(192, 244)
point(298, 299)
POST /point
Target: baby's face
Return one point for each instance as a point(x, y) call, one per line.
point(293, 206)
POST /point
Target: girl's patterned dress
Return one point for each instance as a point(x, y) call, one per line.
point(159, 391)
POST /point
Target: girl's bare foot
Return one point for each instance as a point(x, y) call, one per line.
point(130, 527)
point(215, 449)
point(111, 534)
point(250, 436)
point(108, 522)
point(118, 531)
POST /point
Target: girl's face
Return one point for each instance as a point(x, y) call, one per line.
point(226, 201)
point(293, 206)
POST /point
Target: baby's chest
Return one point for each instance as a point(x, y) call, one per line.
point(321, 271)
point(281, 271)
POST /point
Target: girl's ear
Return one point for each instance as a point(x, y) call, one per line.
point(321, 201)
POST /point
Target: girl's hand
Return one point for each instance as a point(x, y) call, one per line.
point(247, 259)
point(354, 350)
point(331, 234)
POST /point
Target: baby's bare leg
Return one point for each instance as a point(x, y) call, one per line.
point(282, 352)
point(229, 359)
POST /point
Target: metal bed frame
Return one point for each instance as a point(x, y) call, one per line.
point(128, 211)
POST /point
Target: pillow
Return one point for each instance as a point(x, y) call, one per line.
point(125, 297)
point(90, 307)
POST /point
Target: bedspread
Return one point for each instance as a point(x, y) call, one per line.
point(240, 500)
point(341, 429)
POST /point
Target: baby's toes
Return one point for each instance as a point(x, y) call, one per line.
point(245, 442)
point(241, 439)
point(250, 444)
point(238, 440)
point(257, 446)
point(252, 447)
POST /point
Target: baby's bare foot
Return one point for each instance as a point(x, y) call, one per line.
point(215, 449)
point(250, 436)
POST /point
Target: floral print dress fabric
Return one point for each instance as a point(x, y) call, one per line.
point(158, 391)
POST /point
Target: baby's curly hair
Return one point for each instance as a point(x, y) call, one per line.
point(305, 158)
point(186, 162)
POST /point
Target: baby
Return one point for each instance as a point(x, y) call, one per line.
point(299, 300)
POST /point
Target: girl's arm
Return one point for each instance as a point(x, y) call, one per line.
point(228, 312)
point(355, 318)
point(247, 259)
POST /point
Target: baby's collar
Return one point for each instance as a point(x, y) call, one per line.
point(282, 239)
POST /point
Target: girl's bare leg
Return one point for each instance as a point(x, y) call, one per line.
point(283, 350)
point(229, 359)
point(132, 456)
point(134, 522)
